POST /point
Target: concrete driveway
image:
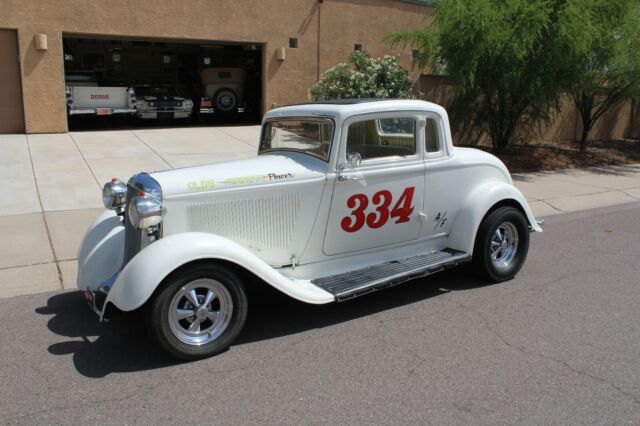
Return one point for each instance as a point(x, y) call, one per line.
point(52, 183)
point(51, 189)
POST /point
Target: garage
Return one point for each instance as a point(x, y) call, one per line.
point(130, 83)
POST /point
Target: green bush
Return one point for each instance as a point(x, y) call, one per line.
point(606, 74)
point(507, 59)
point(365, 78)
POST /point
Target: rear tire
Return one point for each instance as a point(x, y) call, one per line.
point(198, 312)
point(501, 245)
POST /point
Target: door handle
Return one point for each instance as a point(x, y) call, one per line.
point(342, 178)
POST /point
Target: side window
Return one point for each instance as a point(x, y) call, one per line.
point(431, 136)
point(386, 137)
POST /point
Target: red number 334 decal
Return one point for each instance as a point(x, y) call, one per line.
point(381, 200)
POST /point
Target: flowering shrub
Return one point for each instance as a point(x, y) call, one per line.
point(368, 78)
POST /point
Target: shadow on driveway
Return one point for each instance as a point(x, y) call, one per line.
point(122, 344)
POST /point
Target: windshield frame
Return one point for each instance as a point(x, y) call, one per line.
point(319, 119)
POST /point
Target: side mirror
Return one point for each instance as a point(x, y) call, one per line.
point(353, 159)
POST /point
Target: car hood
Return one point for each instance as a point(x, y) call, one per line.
point(258, 171)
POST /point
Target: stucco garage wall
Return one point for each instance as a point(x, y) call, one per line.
point(342, 24)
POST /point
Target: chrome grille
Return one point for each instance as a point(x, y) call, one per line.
point(136, 239)
point(167, 104)
point(132, 235)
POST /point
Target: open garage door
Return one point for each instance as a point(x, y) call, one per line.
point(134, 83)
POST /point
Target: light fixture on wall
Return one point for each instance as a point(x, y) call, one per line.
point(280, 53)
point(293, 42)
point(40, 41)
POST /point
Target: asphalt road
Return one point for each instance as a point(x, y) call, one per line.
point(560, 344)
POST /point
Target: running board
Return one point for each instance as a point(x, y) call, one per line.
point(361, 281)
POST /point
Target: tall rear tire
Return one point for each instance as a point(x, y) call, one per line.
point(198, 312)
point(501, 245)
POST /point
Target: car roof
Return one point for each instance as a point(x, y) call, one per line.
point(343, 108)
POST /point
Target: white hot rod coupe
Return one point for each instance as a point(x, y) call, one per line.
point(344, 198)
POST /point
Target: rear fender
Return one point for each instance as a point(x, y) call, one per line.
point(477, 205)
point(139, 279)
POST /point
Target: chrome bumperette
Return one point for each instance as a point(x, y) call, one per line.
point(539, 222)
point(96, 299)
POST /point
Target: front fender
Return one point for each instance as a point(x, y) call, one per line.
point(478, 203)
point(101, 252)
point(142, 275)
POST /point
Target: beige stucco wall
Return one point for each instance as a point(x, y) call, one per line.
point(342, 24)
point(618, 123)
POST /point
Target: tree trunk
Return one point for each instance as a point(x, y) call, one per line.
point(587, 124)
point(501, 144)
point(583, 138)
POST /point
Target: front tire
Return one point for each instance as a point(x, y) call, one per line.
point(198, 312)
point(501, 245)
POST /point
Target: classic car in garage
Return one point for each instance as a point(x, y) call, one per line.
point(344, 198)
point(161, 102)
point(223, 91)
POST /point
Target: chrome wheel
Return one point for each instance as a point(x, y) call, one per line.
point(200, 311)
point(504, 245)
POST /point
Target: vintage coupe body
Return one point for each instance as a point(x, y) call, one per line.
point(344, 198)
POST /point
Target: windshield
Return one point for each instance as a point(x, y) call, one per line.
point(155, 91)
point(308, 135)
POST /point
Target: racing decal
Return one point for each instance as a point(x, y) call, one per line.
point(202, 185)
point(247, 180)
point(282, 176)
point(440, 220)
point(380, 215)
point(243, 180)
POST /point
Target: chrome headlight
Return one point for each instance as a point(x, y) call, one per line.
point(114, 195)
point(145, 212)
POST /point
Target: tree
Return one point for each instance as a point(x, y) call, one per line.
point(504, 58)
point(608, 73)
point(367, 78)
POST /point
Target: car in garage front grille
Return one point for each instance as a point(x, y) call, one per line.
point(167, 104)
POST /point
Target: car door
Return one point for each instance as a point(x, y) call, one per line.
point(443, 187)
point(377, 201)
